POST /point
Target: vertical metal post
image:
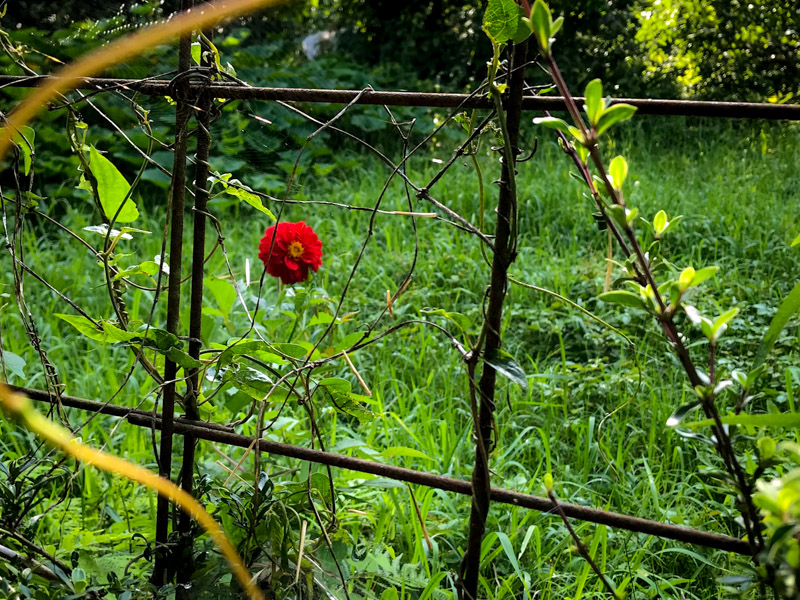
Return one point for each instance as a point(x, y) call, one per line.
point(502, 259)
point(160, 570)
point(203, 119)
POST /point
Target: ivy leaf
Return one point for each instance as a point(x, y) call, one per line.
point(504, 364)
point(112, 188)
point(501, 21)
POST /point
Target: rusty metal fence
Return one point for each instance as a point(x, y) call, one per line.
point(194, 90)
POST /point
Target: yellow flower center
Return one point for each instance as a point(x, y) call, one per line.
point(296, 249)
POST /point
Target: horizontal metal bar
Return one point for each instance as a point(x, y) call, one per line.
point(220, 434)
point(645, 106)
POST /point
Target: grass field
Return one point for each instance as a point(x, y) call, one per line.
point(590, 416)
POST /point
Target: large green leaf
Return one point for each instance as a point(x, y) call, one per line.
point(787, 308)
point(158, 339)
point(112, 188)
point(501, 20)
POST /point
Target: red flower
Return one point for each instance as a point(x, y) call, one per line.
point(295, 248)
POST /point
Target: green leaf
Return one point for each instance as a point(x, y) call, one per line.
point(85, 326)
point(555, 26)
point(14, 363)
point(182, 359)
point(504, 364)
point(501, 20)
point(252, 382)
point(246, 194)
point(624, 298)
point(541, 24)
point(345, 400)
point(705, 273)
point(295, 351)
point(796, 241)
point(462, 321)
point(322, 485)
point(508, 549)
point(263, 351)
point(197, 52)
point(614, 114)
point(685, 278)
point(224, 293)
point(618, 171)
point(336, 383)
point(390, 594)
point(721, 324)
point(766, 447)
point(23, 139)
point(594, 101)
point(523, 30)
point(112, 188)
point(660, 222)
point(763, 420)
point(552, 123)
point(788, 307)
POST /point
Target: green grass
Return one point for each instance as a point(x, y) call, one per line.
point(737, 187)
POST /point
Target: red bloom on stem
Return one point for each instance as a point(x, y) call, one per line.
point(295, 248)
